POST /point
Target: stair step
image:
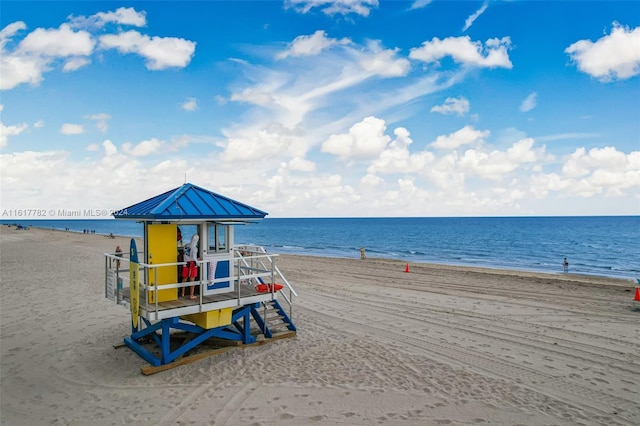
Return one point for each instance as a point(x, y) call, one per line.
point(274, 318)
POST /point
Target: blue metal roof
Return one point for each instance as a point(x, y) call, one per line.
point(189, 202)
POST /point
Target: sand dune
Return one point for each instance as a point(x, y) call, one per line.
point(375, 345)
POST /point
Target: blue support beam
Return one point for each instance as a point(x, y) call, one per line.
point(238, 330)
point(284, 315)
point(142, 352)
point(260, 321)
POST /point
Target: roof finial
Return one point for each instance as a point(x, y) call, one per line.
point(185, 177)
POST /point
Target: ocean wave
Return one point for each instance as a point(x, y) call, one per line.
point(593, 245)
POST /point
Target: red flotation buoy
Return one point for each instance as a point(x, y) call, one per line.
point(266, 288)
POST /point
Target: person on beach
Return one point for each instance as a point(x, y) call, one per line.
point(119, 254)
point(565, 264)
point(190, 271)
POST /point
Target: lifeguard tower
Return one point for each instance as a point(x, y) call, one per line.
point(241, 294)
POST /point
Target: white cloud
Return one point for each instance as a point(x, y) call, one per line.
point(310, 45)
point(529, 102)
point(258, 95)
point(190, 104)
point(25, 169)
point(445, 173)
point(581, 163)
point(302, 165)
point(448, 184)
point(567, 136)
point(179, 143)
point(462, 50)
point(71, 129)
point(9, 31)
point(38, 124)
point(286, 95)
point(252, 144)
point(93, 147)
point(6, 131)
point(74, 64)
point(397, 158)
point(496, 164)
point(143, 148)
point(40, 50)
point(109, 148)
point(61, 42)
point(522, 152)
point(18, 69)
point(121, 16)
point(465, 136)
point(372, 180)
point(35, 54)
point(419, 4)
point(383, 62)
point(472, 18)
point(101, 121)
point(613, 56)
point(160, 52)
point(22, 180)
point(605, 171)
point(365, 139)
point(334, 7)
point(459, 106)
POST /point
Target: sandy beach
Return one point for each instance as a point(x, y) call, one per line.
point(375, 345)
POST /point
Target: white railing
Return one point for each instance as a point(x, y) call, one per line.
point(254, 257)
point(252, 265)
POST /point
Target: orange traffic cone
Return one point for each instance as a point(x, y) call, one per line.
point(637, 298)
point(406, 268)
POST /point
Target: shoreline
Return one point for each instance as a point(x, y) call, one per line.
point(439, 345)
point(369, 257)
point(559, 276)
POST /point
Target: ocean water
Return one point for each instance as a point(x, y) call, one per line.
point(605, 246)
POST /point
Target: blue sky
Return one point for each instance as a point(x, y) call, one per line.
point(324, 108)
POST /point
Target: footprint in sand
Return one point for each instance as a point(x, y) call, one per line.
point(317, 418)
